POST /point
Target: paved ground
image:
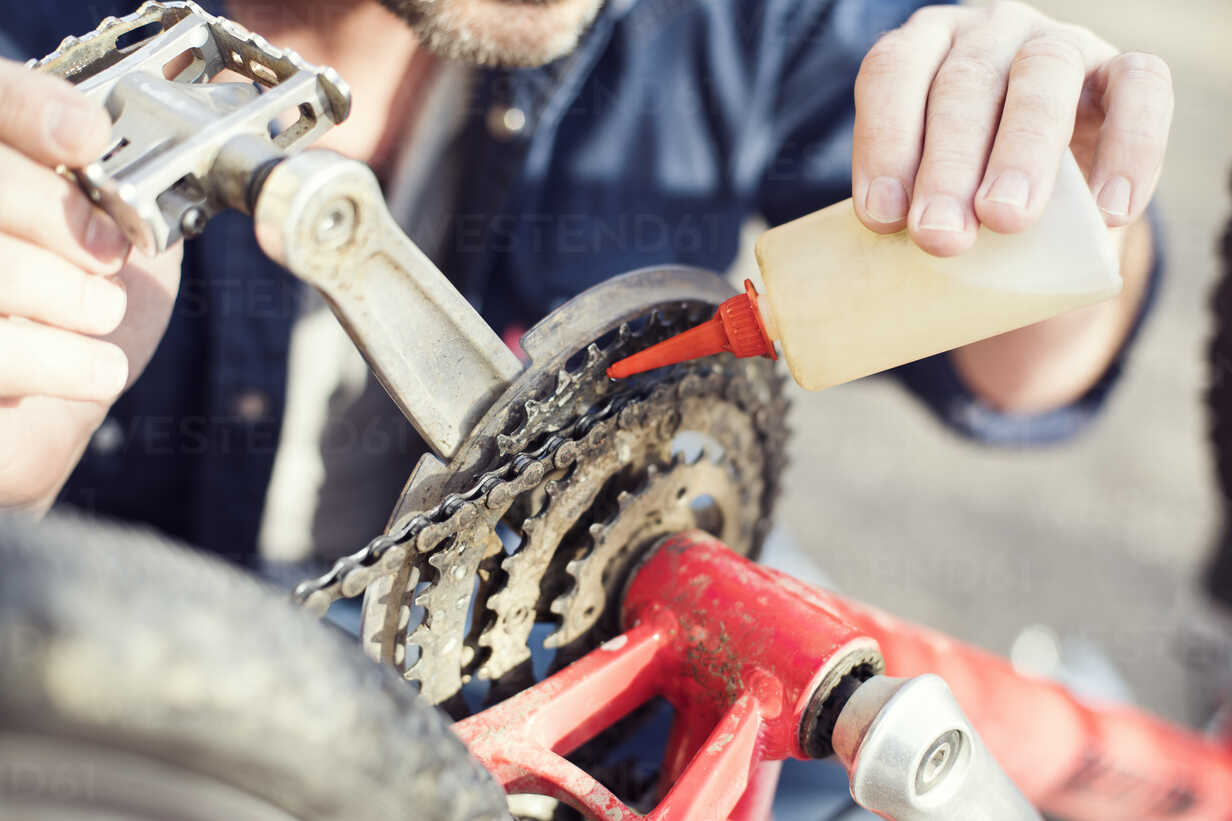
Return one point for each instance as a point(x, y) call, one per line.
point(1099, 539)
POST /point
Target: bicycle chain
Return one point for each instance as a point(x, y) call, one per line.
point(454, 553)
point(453, 541)
point(350, 575)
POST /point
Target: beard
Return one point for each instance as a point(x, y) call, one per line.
point(509, 33)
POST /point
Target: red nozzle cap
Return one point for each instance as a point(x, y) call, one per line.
point(736, 327)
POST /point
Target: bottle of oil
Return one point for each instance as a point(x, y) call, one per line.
point(844, 302)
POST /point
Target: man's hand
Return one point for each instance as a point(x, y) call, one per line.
point(78, 318)
point(963, 115)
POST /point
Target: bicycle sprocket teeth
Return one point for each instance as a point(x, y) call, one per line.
point(585, 572)
point(576, 388)
point(663, 504)
point(573, 455)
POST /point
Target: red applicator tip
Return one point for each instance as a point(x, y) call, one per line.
point(736, 327)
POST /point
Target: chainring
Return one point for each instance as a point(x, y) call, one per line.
point(569, 477)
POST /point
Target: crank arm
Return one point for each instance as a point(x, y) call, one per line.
point(322, 216)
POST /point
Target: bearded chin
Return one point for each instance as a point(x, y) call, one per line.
point(510, 33)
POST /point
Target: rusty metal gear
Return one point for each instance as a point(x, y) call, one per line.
point(704, 494)
point(632, 485)
point(465, 602)
point(567, 477)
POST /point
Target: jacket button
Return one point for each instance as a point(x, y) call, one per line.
point(251, 406)
point(108, 439)
point(506, 122)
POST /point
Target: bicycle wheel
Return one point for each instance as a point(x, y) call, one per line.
point(1219, 418)
point(138, 680)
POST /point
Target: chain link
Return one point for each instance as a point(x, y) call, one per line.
point(351, 574)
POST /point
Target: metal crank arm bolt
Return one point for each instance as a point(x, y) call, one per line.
point(912, 755)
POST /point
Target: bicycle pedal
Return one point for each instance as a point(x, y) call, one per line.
point(184, 148)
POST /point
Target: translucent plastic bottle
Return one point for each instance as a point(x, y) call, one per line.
point(844, 302)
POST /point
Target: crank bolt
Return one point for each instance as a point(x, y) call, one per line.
point(336, 224)
point(938, 761)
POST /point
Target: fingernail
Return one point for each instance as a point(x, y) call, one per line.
point(70, 125)
point(941, 213)
point(886, 200)
point(103, 237)
point(107, 303)
point(110, 371)
point(1011, 187)
point(1114, 197)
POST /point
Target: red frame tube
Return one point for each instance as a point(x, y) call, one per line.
point(739, 650)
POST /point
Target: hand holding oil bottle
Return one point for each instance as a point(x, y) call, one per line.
point(845, 302)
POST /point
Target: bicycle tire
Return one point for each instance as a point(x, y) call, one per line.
point(140, 680)
point(1218, 573)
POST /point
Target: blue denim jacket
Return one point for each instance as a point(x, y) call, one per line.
point(674, 122)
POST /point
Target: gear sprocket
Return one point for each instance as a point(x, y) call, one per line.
point(568, 478)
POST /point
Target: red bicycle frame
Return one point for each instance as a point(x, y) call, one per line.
point(740, 651)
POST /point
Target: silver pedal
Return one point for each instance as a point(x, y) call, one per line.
point(176, 135)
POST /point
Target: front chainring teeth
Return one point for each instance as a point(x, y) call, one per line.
point(586, 477)
point(567, 499)
point(641, 433)
point(559, 404)
point(445, 607)
point(661, 506)
point(505, 638)
point(729, 474)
